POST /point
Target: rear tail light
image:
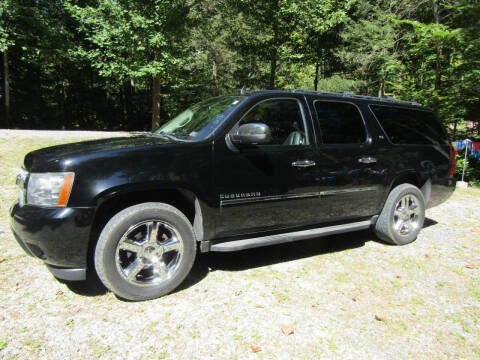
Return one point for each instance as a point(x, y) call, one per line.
point(452, 160)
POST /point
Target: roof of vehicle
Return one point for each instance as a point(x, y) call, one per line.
point(346, 95)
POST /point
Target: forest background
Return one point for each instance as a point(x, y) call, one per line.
point(132, 65)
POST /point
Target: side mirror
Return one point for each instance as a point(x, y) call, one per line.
point(252, 134)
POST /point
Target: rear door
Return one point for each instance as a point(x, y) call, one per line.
point(352, 178)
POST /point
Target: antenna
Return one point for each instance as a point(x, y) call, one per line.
point(243, 91)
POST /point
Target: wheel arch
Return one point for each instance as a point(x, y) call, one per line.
point(413, 178)
point(184, 200)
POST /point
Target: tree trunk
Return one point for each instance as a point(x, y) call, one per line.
point(273, 61)
point(381, 89)
point(128, 113)
point(215, 75)
point(156, 96)
point(315, 81)
point(273, 70)
point(6, 78)
point(438, 65)
point(322, 69)
point(157, 92)
point(64, 108)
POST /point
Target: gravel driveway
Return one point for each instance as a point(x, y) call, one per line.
point(346, 296)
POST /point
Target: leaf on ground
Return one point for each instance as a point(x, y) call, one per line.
point(398, 277)
point(255, 348)
point(343, 308)
point(475, 230)
point(470, 266)
point(380, 318)
point(238, 292)
point(15, 315)
point(139, 310)
point(2, 259)
point(287, 330)
point(2, 318)
point(59, 292)
point(427, 256)
point(355, 298)
point(259, 306)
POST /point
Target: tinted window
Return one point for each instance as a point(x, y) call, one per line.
point(409, 126)
point(340, 123)
point(285, 119)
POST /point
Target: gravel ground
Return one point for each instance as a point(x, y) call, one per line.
point(345, 297)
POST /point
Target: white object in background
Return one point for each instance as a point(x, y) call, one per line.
point(465, 162)
point(462, 184)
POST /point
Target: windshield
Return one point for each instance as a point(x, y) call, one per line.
point(199, 120)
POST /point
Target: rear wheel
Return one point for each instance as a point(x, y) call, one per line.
point(402, 216)
point(145, 251)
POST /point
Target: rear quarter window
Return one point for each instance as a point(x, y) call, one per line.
point(410, 126)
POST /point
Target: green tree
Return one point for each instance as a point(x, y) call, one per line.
point(372, 45)
point(6, 41)
point(135, 41)
point(442, 60)
point(319, 34)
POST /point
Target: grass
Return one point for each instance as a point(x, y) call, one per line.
point(32, 343)
point(475, 290)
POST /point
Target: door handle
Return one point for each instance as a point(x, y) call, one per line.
point(303, 163)
point(367, 160)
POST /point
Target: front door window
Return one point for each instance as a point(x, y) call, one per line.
point(284, 118)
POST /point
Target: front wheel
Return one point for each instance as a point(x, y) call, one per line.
point(402, 216)
point(145, 251)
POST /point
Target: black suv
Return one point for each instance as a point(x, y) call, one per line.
point(227, 174)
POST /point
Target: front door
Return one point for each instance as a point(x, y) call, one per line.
point(272, 186)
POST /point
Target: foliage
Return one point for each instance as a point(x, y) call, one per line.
point(118, 64)
point(472, 171)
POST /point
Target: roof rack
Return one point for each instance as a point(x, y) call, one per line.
point(364, 97)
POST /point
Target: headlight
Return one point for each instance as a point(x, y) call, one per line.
point(49, 189)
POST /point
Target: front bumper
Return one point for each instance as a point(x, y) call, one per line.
point(58, 236)
point(68, 273)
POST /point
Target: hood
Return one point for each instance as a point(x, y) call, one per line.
point(61, 155)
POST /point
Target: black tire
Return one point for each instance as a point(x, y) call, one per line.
point(393, 218)
point(106, 261)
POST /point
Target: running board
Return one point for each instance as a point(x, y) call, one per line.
point(237, 245)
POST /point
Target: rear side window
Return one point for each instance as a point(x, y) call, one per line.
point(410, 126)
point(340, 123)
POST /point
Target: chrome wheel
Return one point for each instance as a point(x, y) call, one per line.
point(149, 253)
point(406, 217)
